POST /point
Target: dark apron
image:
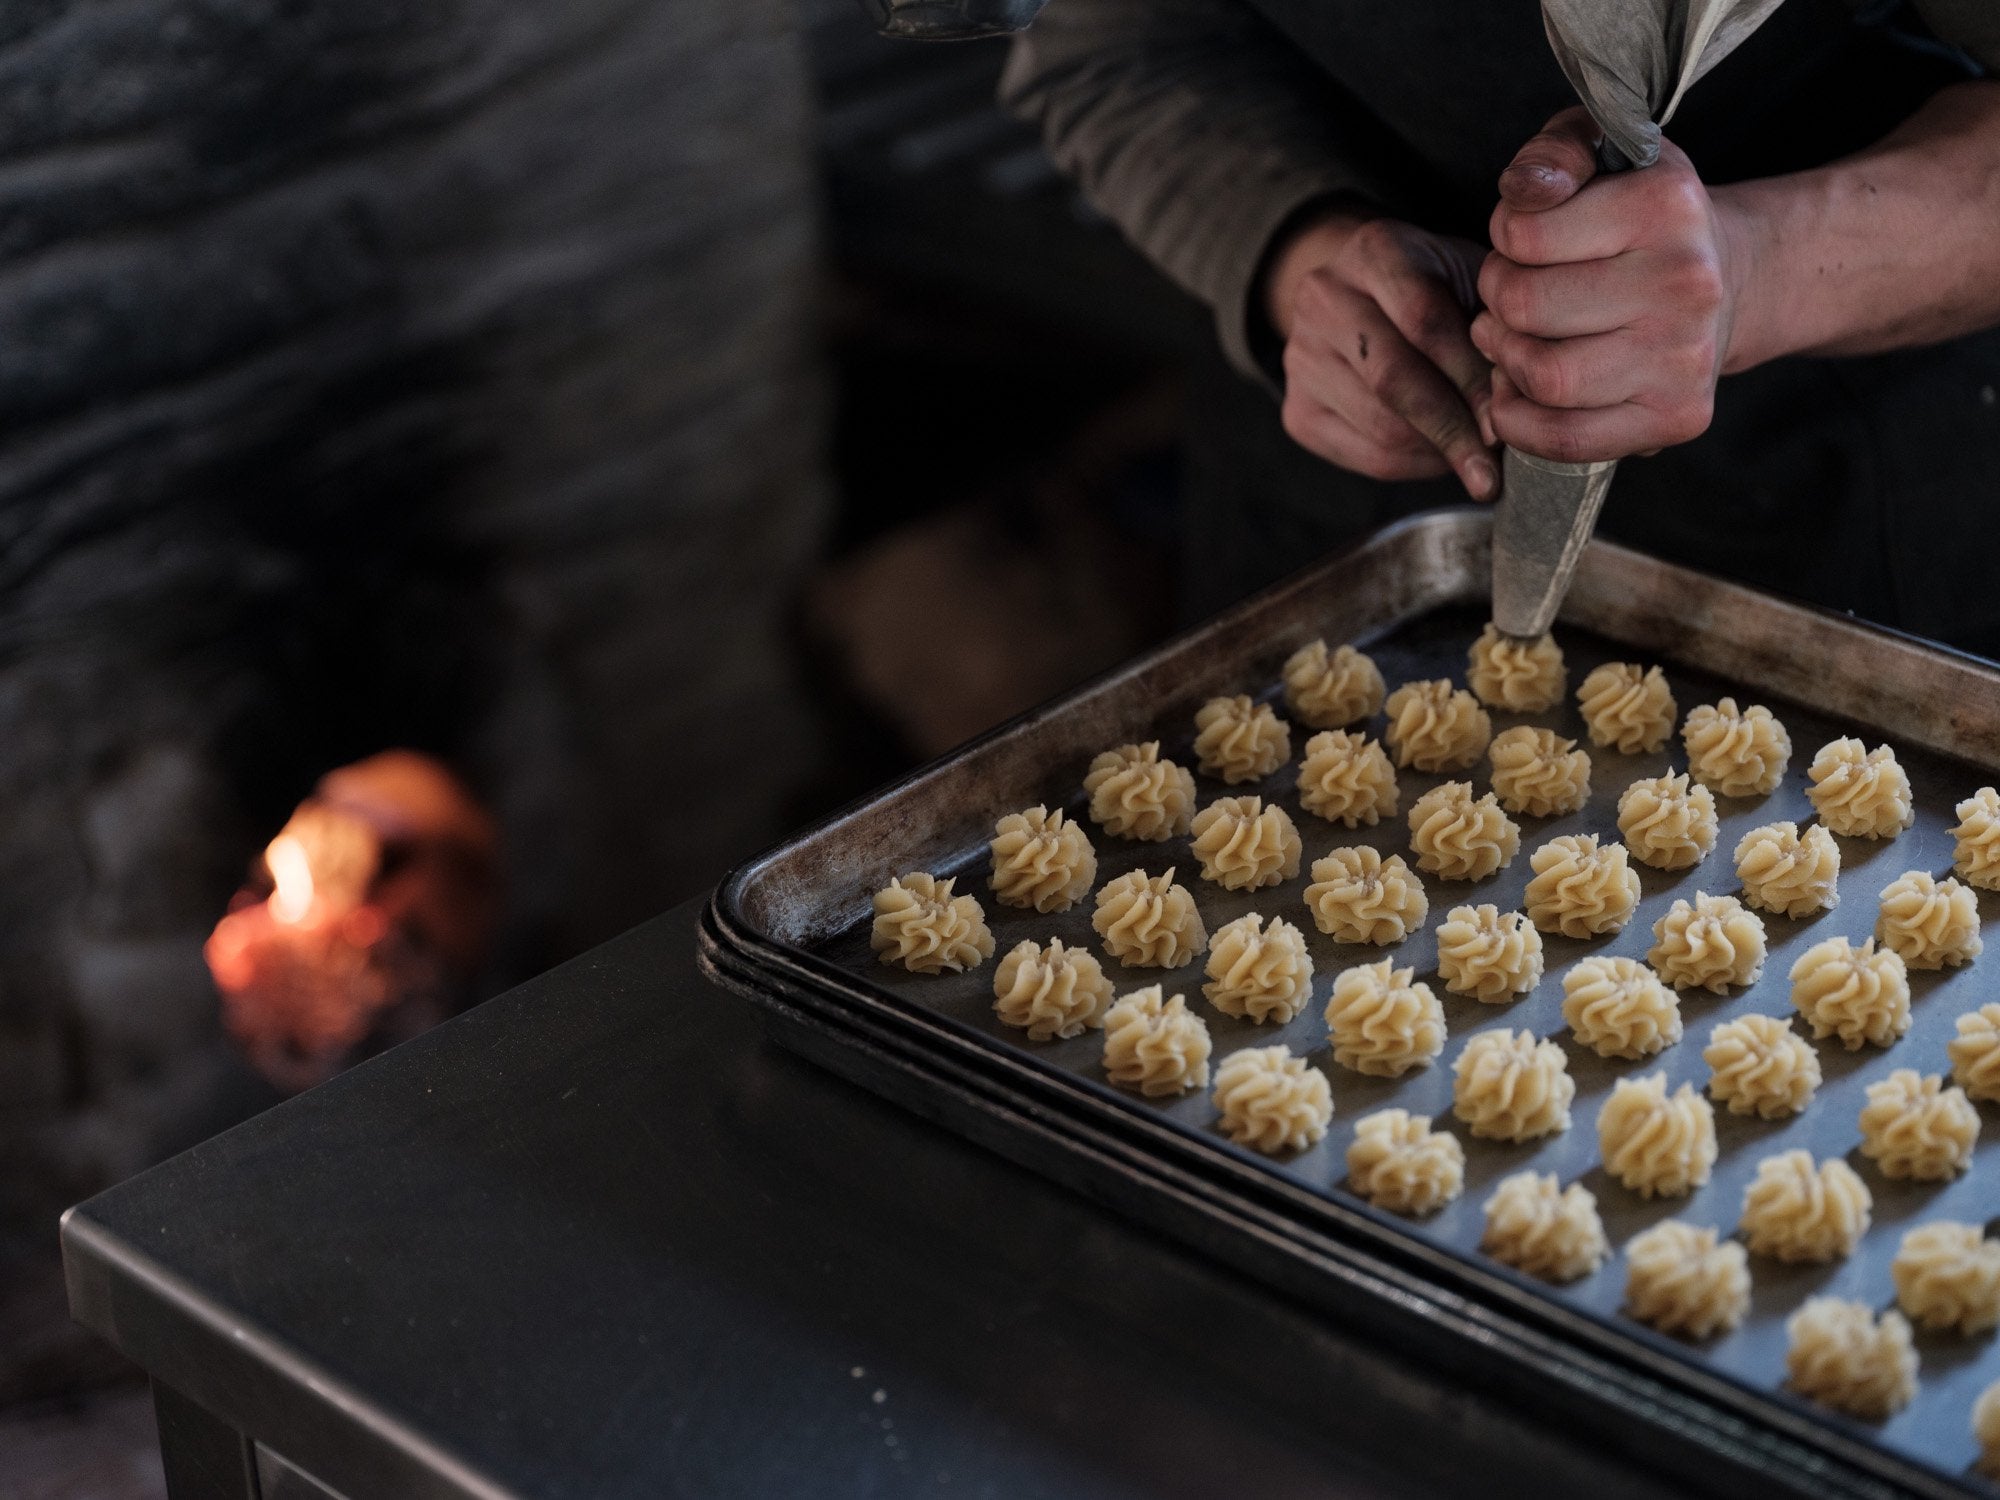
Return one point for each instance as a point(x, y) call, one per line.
point(1862, 484)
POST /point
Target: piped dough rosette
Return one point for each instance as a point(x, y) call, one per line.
point(1915, 1129)
point(1398, 1163)
point(1760, 1066)
point(1976, 840)
point(1686, 1280)
point(1050, 992)
point(1789, 871)
point(1436, 727)
point(1506, 1086)
point(1346, 778)
point(1857, 994)
point(1330, 690)
point(1272, 1101)
point(1258, 973)
point(1628, 708)
point(1155, 1044)
point(1712, 943)
point(1457, 836)
point(1358, 895)
point(1659, 1145)
point(1041, 861)
point(1523, 677)
point(1947, 1277)
point(1666, 822)
point(1134, 794)
point(1148, 922)
point(1986, 1430)
point(1843, 1356)
point(1581, 888)
point(1243, 844)
point(1796, 1212)
point(1491, 955)
point(1737, 753)
point(1617, 1007)
point(1381, 1023)
point(1240, 740)
point(1547, 1231)
point(1934, 924)
point(922, 926)
point(1860, 793)
point(1975, 1053)
point(1537, 773)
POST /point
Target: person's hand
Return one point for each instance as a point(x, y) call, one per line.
point(1380, 372)
point(1609, 303)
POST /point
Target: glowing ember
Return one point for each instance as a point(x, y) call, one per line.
point(370, 914)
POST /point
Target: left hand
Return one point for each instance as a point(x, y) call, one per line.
point(1609, 303)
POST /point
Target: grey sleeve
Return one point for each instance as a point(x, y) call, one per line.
point(1195, 127)
point(1972, 26)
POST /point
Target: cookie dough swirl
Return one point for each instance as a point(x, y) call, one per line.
point(1736, 753)
point(1329, 691)
point(1486, 953)
point(1509, 1087)
point(1398, 1163)
point(1975, 1053)
point(1459, 837)
point(1976, 848)
point(1436, 727)
point(1659, 1145)
point(1346, 778)
point(1546, 1231)
point(1796, 1212)
point(1617, 1007)
point(1258, 973)
point(1272, 1101)
point(1857, 994)
point(1986, 1430)
point(1917, 1130)
point(1934, 924)
point(1359, 896)
point(1134, 794)
point(1711, 944)
point(1667, 823)
point(1523, 677)
point(1155, 1045)
point(1947, 1276)
point(1860, 793)
point(1789, 872)
point(1243, 845)
point(1628, 708)
point(1148, 922)
point(1538, 773)
point(1581, 889)
point(1050, 992)
point(1843, 1356)
point(1041, 861)
point(1240, 740)
point(1381, 1023)
point(1760, 1066)
point(922, 926)
point(1686, 1280)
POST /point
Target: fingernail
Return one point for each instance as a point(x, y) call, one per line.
point(1481, 478)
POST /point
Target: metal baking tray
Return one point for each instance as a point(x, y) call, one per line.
point(790, 930)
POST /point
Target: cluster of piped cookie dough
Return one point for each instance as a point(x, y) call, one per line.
point(1385, 1021)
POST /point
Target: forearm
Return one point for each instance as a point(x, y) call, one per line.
point(1895, 247)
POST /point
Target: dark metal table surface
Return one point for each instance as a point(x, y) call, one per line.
point(597, 1238)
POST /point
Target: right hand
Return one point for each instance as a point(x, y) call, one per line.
point(1381, 375)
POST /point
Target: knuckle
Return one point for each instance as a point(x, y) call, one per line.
point(1543, 375)
point(1693, 281)
point(1688, 418)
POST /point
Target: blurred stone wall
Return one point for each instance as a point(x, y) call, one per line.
point(377, 372)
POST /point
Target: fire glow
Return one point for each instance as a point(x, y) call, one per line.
point(363, 923)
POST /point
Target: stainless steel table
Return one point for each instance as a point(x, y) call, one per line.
point(597, 1238)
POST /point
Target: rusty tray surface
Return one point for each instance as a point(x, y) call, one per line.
point(792, 928)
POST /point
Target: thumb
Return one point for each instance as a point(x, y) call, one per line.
point(1555, 164)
